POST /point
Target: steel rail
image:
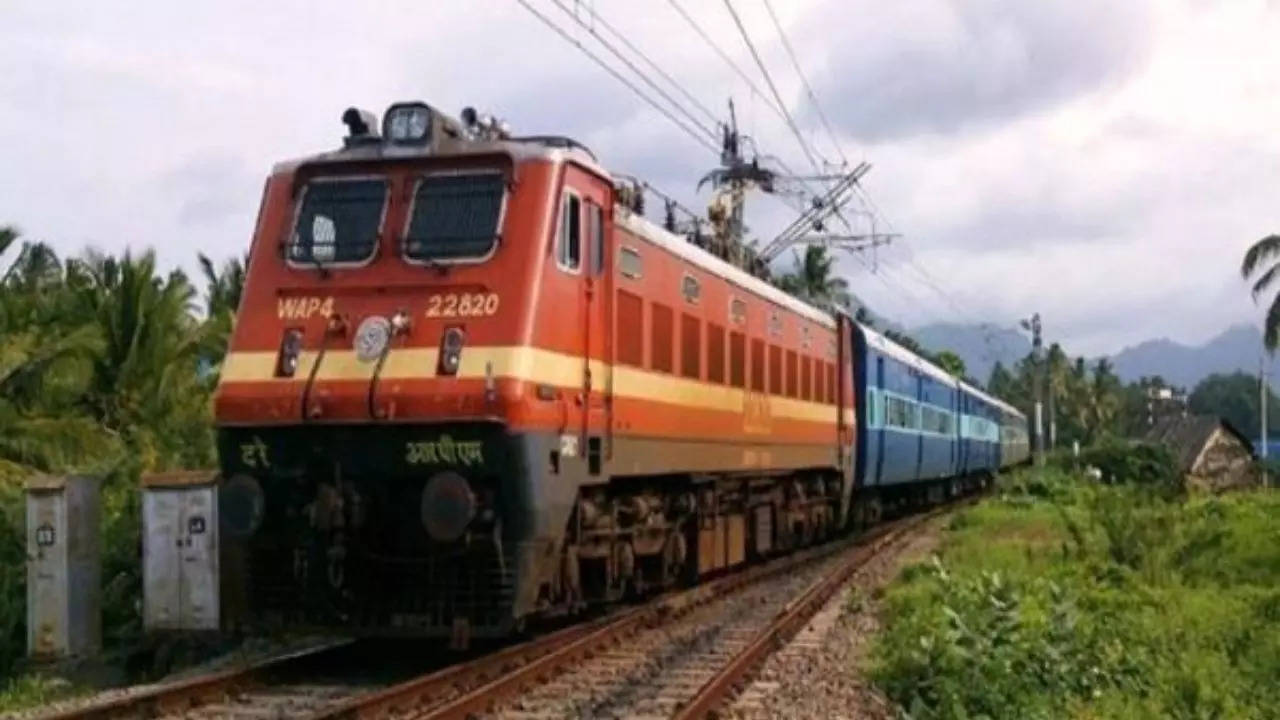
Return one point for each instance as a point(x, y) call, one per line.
point(477, 686)
point(175, 697)
point(723, 685)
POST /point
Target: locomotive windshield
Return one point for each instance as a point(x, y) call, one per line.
point(455, 217)
point(338, 221)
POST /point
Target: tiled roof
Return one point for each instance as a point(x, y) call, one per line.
point(1186, 436)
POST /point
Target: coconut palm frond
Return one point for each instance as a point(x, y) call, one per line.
point(1271, 337)
point(1264, 280)
point(1264, 249)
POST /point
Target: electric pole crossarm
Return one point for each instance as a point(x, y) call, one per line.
point(829, 203)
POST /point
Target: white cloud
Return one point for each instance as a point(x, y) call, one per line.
point(1103, 163)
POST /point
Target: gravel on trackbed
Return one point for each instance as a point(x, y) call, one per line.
point(819, 674)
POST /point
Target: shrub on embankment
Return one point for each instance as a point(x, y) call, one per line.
point(1065, 598)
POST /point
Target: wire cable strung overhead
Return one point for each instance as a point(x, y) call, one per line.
point(791, 123)
point(728, 60)
point(700, 138)
point(710, 132)
point(813, 97)
point(706, 112)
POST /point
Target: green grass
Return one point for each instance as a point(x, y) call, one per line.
point(33, 691)
point(1064, 599)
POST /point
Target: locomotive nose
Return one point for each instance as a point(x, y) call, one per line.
point(448, 506)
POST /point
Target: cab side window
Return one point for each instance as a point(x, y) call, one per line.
point(595, 232)
point(569, 242)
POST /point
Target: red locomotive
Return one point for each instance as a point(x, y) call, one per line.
point(470, 385)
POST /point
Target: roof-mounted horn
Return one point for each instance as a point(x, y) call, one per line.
point(362, 127)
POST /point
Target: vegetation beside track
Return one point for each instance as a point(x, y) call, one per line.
point(107, 366)
point(1061, 597)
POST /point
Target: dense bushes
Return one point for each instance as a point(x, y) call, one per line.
point(1071, 599)
point(1122, 461)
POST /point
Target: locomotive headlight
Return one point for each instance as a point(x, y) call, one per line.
point(407, 123)
point(448, 506)
point(451, 351)
point(290, 347)
point(372, 338)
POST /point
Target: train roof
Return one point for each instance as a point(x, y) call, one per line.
point(991, 399)
point(519, 150)
point(678, 245)
point(900, 353)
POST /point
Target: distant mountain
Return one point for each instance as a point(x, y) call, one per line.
point(1236, 349)
point(980, 346)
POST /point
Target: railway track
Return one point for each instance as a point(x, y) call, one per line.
point(681, 655)
point(290, 685)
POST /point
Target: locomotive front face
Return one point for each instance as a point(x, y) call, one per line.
point(374, 411)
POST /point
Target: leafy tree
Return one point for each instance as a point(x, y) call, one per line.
point(1265, 252)
point(950, 362)
point(223, 289)
point(811, 279)
point(1235, 398)
point(99, 372)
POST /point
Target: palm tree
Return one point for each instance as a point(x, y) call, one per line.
point(951, 362)
point(811, 279)
point(46, 346)
point(223, 288)
point(1265, 251)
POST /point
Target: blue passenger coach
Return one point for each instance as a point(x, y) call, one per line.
point(921, 432)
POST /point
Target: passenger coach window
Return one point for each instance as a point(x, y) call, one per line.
point(338, 221)
point(455, 217)
point(569, 247)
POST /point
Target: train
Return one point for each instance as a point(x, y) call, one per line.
point(470, 386)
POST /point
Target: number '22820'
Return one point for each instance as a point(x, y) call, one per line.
point(462, 305)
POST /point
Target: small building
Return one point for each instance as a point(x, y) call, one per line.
point(1211, 453)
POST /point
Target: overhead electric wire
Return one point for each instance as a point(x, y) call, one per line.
point(657, 68)
point(725, 56)
point(777, 96)
point(813, 97)
point(711, 133)
point(619, 77)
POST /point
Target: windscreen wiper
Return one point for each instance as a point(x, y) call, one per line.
point(321, 269)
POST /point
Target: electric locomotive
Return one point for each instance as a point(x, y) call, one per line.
point(471, 385)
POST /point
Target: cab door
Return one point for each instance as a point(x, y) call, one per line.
point(597, 330)
point(585, 229)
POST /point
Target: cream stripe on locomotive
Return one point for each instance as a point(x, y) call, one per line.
point(525, 363)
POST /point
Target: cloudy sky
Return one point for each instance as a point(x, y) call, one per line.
point(1105, 163)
